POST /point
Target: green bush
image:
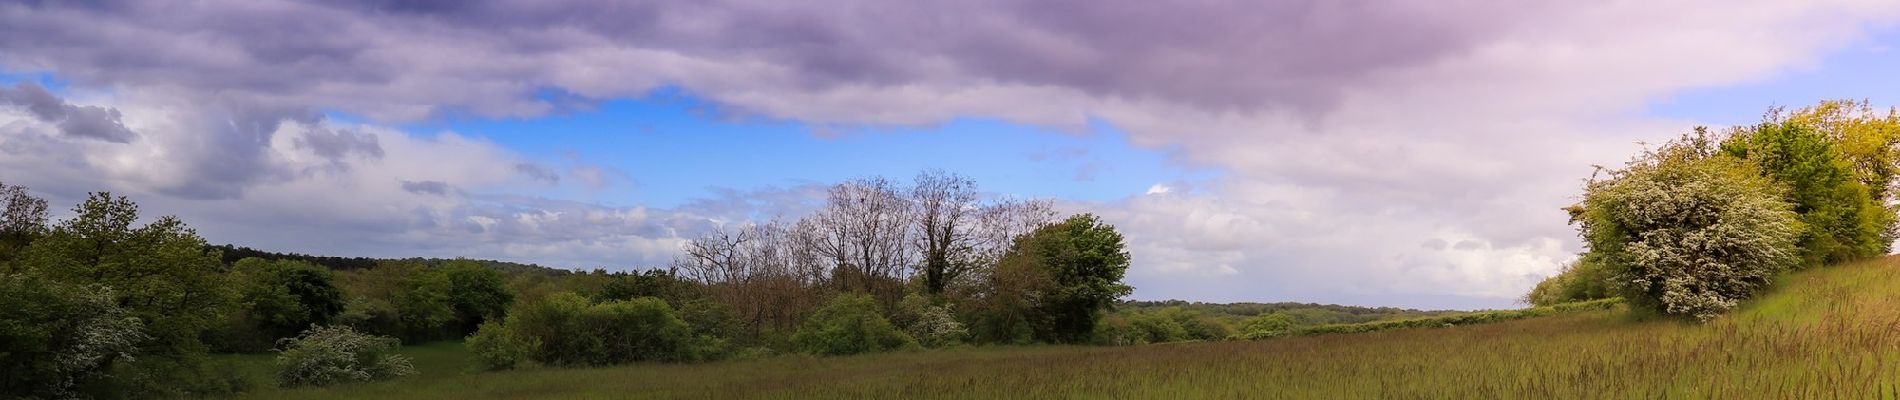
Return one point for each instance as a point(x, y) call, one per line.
point(1157, 328)
point(1687, 233)
point(574, 331)
point(1581, 280)
point(496, 348)
point(933, 325)
point(337, 354)
point(1265, 326)
point(849, 324)
point(1116, 330)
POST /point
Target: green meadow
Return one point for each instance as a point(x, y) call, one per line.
point(1823, 333)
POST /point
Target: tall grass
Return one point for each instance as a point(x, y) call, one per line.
point(1826, 333)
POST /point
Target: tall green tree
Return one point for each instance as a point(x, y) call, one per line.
point(280, 299)
point(476, 293)
point(1845, 219)
point(1073, 273)
point(159, 273)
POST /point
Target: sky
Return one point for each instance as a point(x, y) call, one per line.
point(1364, 152)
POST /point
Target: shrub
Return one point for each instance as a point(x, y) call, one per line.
point(849, 324)
point(713, 325)
point(1584, 279)
point(1689, 234)
point(933, 325)
point(497, 348)
point(1198, 326)
point(573, 331)
point(1265, 326)
point(1157, 328)
point(1115, 330)
point(336, 354)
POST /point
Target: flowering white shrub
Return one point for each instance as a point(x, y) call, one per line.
point(1689, 234)
point(937, 326)
point(335, 354)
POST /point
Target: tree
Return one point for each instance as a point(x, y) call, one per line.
point(423, 307)
point(1845, 220)
point(160, 272)
point(280, 299)
point(22, 219)
point(862, 231)
point(1265, 326)
point(475, 293)
point(1073, 271)
point(55, 337)
point(945, 206)
point(1689, 233)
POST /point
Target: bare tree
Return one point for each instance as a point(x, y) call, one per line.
point(863, 231)
point(945, 214)
point(23, 215)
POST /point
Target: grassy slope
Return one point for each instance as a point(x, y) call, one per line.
point(1829, 333)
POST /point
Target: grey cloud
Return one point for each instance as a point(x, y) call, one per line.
point(415, 54)
point(437, 188)
point(92, 122)
point(538, 172)
point(336, 144)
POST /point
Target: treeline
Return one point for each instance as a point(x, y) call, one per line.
point(1694, 227)
point(97, 306)
point(230, 254)
point(881, 266)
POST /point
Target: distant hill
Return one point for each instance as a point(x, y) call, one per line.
point(1304, 314)
point(232, 253)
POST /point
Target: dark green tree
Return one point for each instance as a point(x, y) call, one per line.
point(281, 299)
point(476, 293)
point(159, 273)
point(1845, 219)
point(1074, 271)
point(55, 337)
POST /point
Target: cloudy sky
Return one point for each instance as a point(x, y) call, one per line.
point(1360, 151)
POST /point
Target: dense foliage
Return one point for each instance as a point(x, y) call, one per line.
point(278, 299)
point(1072, 273)
point(1584, 279)
point(1702, 223)
point(849, 324)
point(57, 337)
point(572, 330)
point(108, 307)
point(1689, 235)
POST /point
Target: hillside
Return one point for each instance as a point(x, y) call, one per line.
point(1825, 333)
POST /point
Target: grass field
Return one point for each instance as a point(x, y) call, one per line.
point(1827, 333)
